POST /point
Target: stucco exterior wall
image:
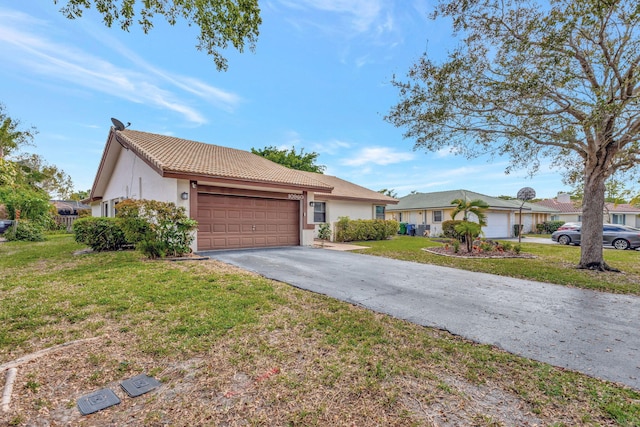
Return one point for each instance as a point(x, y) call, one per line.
point(335, 209)
point(132, 178)
point(569, 217)
point(354, 210)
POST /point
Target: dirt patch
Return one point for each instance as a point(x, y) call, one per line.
point(210, 390)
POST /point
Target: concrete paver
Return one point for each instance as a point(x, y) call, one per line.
point(591, 332)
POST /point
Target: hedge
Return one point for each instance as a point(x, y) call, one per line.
point(348, 230)
point(100, 233)
point(548, 227)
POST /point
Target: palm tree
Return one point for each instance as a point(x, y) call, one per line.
point(475, 207)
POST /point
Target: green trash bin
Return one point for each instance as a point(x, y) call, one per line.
point(403, 228)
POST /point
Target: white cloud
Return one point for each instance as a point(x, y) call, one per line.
point(362, 15)
point(22, 47)
point(331, 147)
point(377, 156)
point(446, 152)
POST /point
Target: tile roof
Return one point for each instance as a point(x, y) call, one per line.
point(575, 207)
point(180, 156)
point(569, 207)
point(347, 190)
point(622, 208)
point(442, 200)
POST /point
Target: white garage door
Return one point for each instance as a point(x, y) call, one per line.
point(497, 225)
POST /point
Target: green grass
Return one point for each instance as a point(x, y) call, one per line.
point(552, 263)
point(62, 289)
point(338, 361)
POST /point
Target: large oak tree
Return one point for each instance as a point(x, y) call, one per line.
point(530, 80)
point(221, 22)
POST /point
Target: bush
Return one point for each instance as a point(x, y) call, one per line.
point(157, 228)
point(324, 231)
point(549, 227)
point(364, 229)
point(26, 230)
point(449, 229)
point(100, 233)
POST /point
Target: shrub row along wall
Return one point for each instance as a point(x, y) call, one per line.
point(347, 230)
point(157, 229)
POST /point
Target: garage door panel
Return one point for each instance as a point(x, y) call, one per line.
point(497, 225)
point(244, 222)
point(205, 213)
point(215, 228)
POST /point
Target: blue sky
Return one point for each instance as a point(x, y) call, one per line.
point(319, 80)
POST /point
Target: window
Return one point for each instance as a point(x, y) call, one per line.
point(618, 219)
point(555, 217)
point(437, 216)
point(579, 218)
point(319, 212)
point(400, 217)
point(379, 212)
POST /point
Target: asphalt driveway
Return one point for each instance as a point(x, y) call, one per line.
point(591, 332)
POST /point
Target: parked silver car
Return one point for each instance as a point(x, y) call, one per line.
point(619, 236)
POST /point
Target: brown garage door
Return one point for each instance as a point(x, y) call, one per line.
point(229, 222)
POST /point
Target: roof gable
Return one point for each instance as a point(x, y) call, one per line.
point(443, 199)
point(176, 157)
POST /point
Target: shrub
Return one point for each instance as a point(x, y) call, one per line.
point(549, 227)
point(324, 231)
point(152, 248)
point(449, 229)
point(26, 230)
point(157, 228)
point(100, 233)
point(348, 230)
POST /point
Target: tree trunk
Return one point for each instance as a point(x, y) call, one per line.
point(591, 255)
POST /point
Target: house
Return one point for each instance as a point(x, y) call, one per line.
point(240, 200)
point(68, 211)
point(429, 210)
point(571, 211)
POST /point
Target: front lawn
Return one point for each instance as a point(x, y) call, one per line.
point(553, 263)
point(233, 348)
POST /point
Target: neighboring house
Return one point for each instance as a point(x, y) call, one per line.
point(67, 211)
point(532, 215)
point(571, 211)
point(429, 210)
point(69, 207)
point(240, 200)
